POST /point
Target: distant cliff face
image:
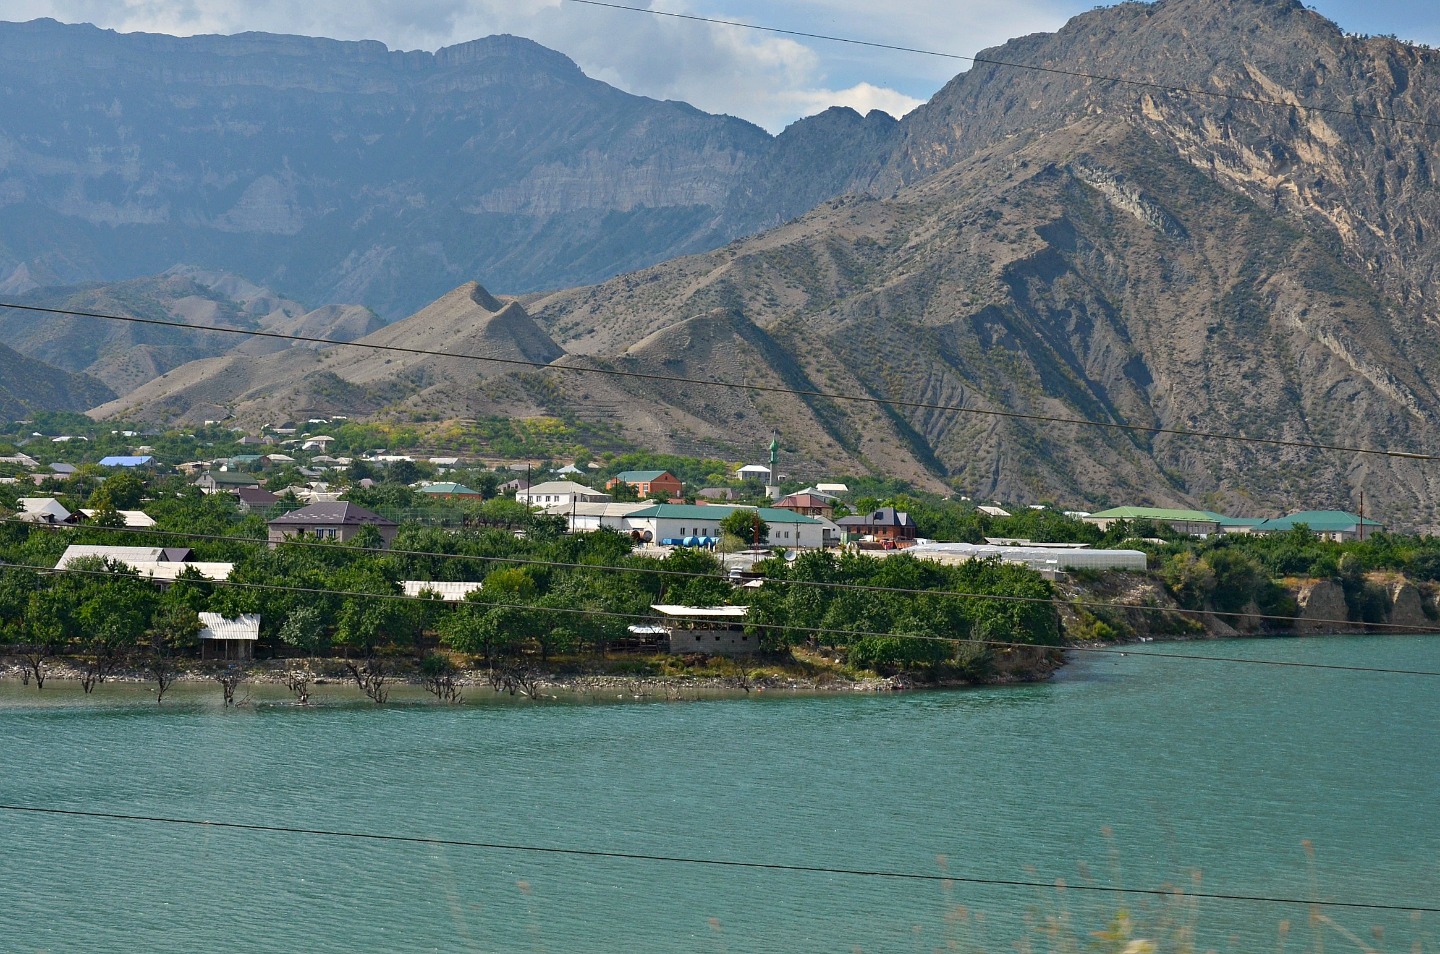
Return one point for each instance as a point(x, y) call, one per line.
point(343, 172)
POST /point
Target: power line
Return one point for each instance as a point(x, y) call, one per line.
point(780, 627)
point(1010, 64)
point(1401, 628)
point(596, 853)
point(729, 385)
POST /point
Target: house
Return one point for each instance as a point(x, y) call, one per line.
point(717, 493)
point(63, 470)
point(716, 630)
point(222, 481)
point(255, 498)
point(811, 505)
point(320, 442)
point(888, 527)
point(45, 510)
point(337, 520)
point(248, 441)
point(513, 486)
point(21, 460)
point(450, 592)
point(560, 492)
point(451, 491)
point(832, 489)
point(1335, 525)
point(648, 483)
point(123, 461)
point(993, 511)
point(134, 519)
point(1197, 523)
point(222, 638)
point(585, 517)
point(754, 472)
point(130, 556)
point(567, 470)
point(699, 525)
point(160, 564)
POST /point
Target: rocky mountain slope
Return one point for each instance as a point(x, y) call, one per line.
point(347, 172)
point(1052, 245)
point(27, 386)
point(127, 355)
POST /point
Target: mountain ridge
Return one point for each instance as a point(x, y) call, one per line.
point(342, 171)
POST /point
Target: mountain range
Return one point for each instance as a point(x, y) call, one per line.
point(1196, 248)
point(348, 172)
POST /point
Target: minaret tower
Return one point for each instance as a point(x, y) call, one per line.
point(773, 489)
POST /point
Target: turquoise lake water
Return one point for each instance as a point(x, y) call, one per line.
point(1123, 771)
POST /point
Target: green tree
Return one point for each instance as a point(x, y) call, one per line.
point(747, 525)
point(124, 489)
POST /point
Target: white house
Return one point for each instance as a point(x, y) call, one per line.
point(562, 493)
point(585, 517)
point(754, 472)
point(699, 525)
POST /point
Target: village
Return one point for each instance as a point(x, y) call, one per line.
point(287, 477)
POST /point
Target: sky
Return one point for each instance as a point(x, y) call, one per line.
point(770, 80)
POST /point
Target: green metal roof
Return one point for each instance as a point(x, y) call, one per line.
point(635, 476)
point(449, 489)
point(718, 512)
point(1158, 513)
point(1321, 521)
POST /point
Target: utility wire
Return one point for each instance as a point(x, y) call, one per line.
point(888, 874)
point(1010, 64)
point(754, 388)
point(779, 627)
point(1401, 628)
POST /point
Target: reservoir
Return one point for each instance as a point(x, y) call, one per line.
point(1125, 771)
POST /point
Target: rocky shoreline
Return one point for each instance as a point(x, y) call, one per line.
point(331, 673)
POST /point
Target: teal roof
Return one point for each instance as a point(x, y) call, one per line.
point(1321, 521)
point(718, 512)
point(636, 476)
point(1157, 513)
point(449, 489)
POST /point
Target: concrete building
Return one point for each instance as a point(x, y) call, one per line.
point(714, 630)
point(333, 520)
point(699, 525)
point(560, 493)
point(586, 517)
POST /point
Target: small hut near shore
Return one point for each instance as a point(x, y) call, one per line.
point(223, 638)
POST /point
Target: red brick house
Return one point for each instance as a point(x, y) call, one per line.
point(649, 483)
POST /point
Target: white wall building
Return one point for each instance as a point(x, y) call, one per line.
point(699, 524)
point(585, 517)
point(560, 493)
